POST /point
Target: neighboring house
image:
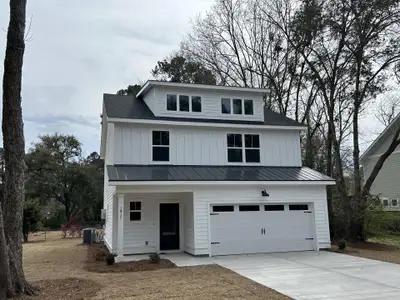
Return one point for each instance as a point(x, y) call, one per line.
point(387, 183)
point(207, 170)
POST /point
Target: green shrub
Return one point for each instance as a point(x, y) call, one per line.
point(342, 244)
point(110, 259)
point(56, 220)
point(155, 258)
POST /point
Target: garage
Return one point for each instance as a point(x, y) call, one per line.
point(256, 228)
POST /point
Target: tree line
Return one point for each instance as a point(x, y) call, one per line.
point(323, 62)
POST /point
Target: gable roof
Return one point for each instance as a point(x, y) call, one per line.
point(213, 173)
point(150, 83)
point(378, 141)
point(129, 107)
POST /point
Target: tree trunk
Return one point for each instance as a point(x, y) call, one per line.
point(14, 148)
point(4, 269)
point(329, 172)
point(379, 164)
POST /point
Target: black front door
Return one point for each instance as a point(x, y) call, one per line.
point(169, 226)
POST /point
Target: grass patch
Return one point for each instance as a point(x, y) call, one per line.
point(384, 228)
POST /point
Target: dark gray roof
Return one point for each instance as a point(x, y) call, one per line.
point(212, 173)
point(128, 107)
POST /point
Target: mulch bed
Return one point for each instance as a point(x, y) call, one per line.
point(132, 266)
point(63, 289)
point(381, 252)
point(97, 253)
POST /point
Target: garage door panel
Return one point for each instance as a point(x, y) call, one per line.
point(239, 232)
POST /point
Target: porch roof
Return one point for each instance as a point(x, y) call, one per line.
point(212, 173)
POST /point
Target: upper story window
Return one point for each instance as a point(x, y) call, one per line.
point(196, 103)
point(171, 102)
point(237, 106)
point(184, 104)
point(226, 105)
point(248, 107)
point(247, 152)
point(161, 146)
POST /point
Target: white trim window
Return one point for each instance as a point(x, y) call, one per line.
point(183, 103)
point(237, 106)
point(135, 211)
point(160, 146)
point(172, 103)
point(247, 152)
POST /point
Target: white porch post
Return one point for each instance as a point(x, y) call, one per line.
point(120, 222)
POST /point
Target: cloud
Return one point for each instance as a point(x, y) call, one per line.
point(82, 49)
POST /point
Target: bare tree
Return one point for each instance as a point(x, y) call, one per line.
point(387, 110)
point(14, 152)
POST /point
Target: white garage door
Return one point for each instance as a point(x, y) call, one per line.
point(244, 228)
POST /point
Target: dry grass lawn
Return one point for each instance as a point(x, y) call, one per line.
point(56, 267)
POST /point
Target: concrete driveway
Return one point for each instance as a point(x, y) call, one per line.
point(311, 275)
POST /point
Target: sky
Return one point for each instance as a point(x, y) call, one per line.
point(78, 50)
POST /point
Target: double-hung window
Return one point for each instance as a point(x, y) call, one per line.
point(252, 148)
point(161, 146)
point(135, 211)
point(247, 152)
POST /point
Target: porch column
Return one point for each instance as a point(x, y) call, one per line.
point(120, 222)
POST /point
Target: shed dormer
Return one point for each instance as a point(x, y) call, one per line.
point(170, 99)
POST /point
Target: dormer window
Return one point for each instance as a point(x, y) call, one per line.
point(196, 103)
point(183, 103)
point(248, 107)
point(171, 102)
point(226, 105)
point(237, 106)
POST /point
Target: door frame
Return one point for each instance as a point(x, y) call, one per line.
point(181, 227)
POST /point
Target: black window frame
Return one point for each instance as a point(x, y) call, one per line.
point(274, 207)
point(244, 152)
point(234, 149)
point(253, 147)
point(301, 206)
point(228, 111)
point(223, 208)
point(184, 98)
point(245, 207)
point(162, 145)
point(135, 211)
point(395, 202)
point(169, 99)
point(248, 101)
point(193, 100)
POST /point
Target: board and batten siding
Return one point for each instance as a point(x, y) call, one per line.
point(144, 236)
point(386, 183)
point(210, 103)
point(202, 146)
point(205, 197)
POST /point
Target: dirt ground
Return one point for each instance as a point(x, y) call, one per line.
point(56, 267)
point(388, 253)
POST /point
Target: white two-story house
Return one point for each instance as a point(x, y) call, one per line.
point(207, 170)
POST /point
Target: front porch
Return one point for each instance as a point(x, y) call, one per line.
point(152, 222)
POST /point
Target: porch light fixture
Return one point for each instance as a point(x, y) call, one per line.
point(264, 193)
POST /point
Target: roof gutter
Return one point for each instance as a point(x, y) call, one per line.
point(150, 83)
point(202, 124)
point(215, 183)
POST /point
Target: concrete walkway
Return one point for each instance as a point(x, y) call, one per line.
point(311, 275)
